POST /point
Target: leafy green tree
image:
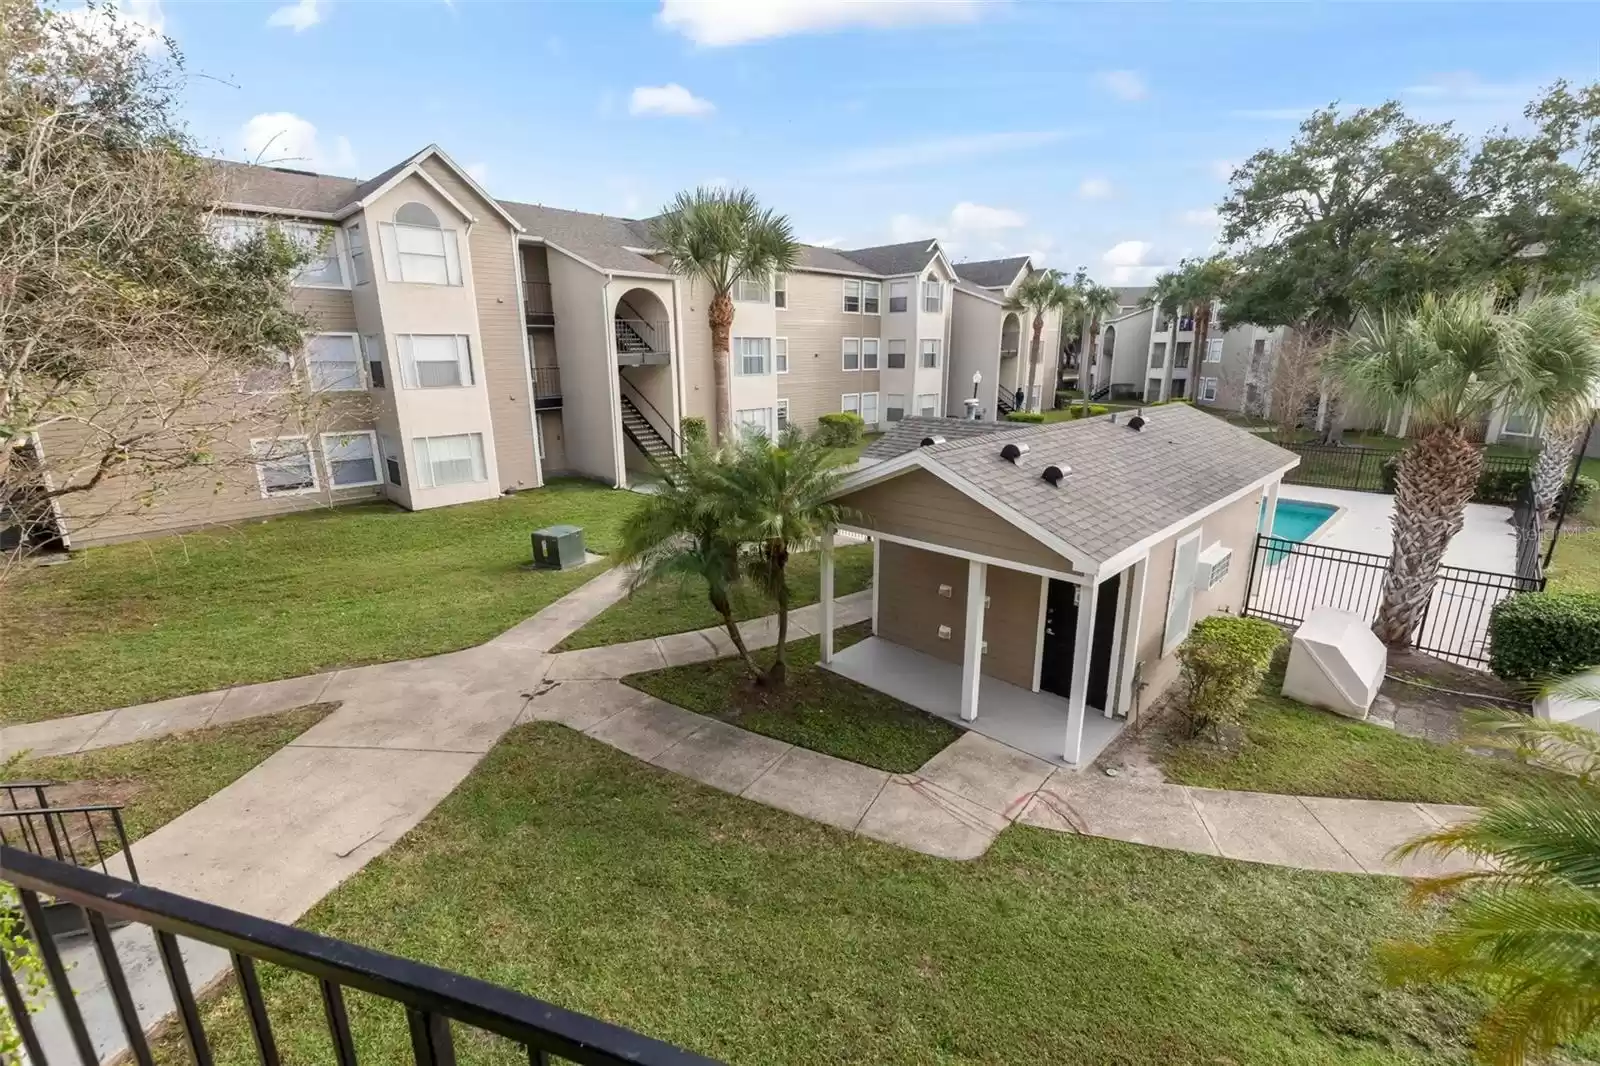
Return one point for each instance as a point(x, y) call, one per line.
point(1445, 366)
point(1560, 341)
point(684, 532)
point(720, 237)
point(779, 495)
point(1039, 295)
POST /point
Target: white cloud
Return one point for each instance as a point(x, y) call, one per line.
point(1222, 169)
point(967, 217)
point(968, 228)
point(1123, 84)
point(280, 138)
point(935, 150)
point(1095, 188)
point(1132, 262)
point(716, 23)
point(671, 99)
point(298, 16)
point(142, 21)
point(1274, 114)
point(479, 172)
point(1200, 216)
point(1467, 85)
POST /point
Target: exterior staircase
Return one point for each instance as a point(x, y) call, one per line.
point(645, 436)
point(1003, 403)
point(1099, 394)
point(629, 342)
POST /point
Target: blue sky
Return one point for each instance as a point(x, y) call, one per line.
point(1093, 134)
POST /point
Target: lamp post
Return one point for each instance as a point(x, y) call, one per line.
point(974, 405)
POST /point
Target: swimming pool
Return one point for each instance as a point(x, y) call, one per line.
point(1297, 520)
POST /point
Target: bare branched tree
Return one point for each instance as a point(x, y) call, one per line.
point(1297, 373)
point(139, 349)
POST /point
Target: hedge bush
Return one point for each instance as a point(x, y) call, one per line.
point(840, 430)
point(1063, 395)
point(693, 428)
point(1223, 661)
point(1504, 487)
point(1094, 409)
point(1539, 635)
point(1025, 416)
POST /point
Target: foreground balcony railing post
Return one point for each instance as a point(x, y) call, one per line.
point(432, 998)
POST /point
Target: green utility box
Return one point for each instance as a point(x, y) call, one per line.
point(558, 547)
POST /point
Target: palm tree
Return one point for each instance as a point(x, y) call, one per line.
point(1561, 348)
point(1167, 296)
point(721, 237)
point(1207, 281)
point(1448, 364)
point(1524, 923)
point(1097, 304)
point(1038, 295)
point(682, 532)
point(783, 493)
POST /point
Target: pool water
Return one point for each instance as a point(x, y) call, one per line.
point(1298, 519)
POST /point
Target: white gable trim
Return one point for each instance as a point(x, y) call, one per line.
point(471, 183)
point(959, 553)
point(414, 166)
point(287, 212)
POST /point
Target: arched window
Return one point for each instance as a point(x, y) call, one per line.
point(1108, 343)
point(418, 250)
point(415, 214)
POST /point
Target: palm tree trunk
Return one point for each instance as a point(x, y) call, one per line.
point(1202, 330)
point(721, 319)
point(778, 673)
point(1033, 360)
point(720, 603)
point(1560, 441)
point(1435, 479)
point(1086, 364)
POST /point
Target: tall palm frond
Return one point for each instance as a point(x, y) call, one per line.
point(1560, 342)
point(1037, 296)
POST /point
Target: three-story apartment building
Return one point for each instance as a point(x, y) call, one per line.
point(467, 347)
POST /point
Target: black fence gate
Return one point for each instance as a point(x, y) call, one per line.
point(1289, 579)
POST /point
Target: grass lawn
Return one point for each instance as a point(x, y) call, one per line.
point(816, 709)
point(677, 607)
point(570, 871)
point(157, 780)
point(291, 596)
point(1294, 749)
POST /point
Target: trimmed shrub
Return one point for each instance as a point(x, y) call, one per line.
point(1539, 635)
point(1582, 491)
point(1025, 416)
point(1223, 661)
point(1094, 409)
point(840, 430)
point(694, 430)
point(1064, 395)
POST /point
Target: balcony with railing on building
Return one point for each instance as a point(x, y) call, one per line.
point(643, 330)
point(539, 303)
point(546, 388)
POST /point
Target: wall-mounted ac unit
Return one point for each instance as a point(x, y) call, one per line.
point(1212, 567)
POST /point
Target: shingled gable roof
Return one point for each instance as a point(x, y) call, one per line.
point(1127, 488)
point(992, 273)
point(891, 260)
point(908, 434)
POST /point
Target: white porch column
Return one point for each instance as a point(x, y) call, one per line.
point(972, 648)
point(1119, 619)
point(1271, 509)
point(1082, 646)
point(826, 552)
point(1123, 700)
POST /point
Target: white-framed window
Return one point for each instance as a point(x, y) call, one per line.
point(869, 353)
point(850, 403)
point(852, 295)
point(752, 291)
point(780, 354)
point(780, 291)
point(928, 404)
point(230, 231)
point(393, 460)
point(897, 355)
point(284, 466)
point(434, 360)
point(894, 406)
point(752, 355)
point(783, 415)
point(871, 292)
point(355, 239)
point(899, 295)
point(1213, 349)
point(753, 421)
point(351, 458)
point(869, 408)
point(417, 250)
point(1158, 355)
point(452, 460)
point(850, 349)
point(1180, 598)
point(333, 362)
point(274, 375)
point(1520, 422)
point(933, 295)
point(1207, 391)
point(325, 270)
point(376, 372)
point(930, 354)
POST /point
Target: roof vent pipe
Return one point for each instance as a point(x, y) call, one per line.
point(1056, 474)
point(930, 441)
point(1012, 452)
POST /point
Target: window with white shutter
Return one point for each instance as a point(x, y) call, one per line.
point(434, 360)
point(333, 362)
point(1180, 600)
point(352, 458)
point(452, 460)
point(417, 250)
point(284, 466)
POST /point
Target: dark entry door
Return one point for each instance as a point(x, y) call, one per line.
point(1060, 627)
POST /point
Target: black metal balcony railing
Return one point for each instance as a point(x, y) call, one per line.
point(546, 387)
point(539, 303)
point(434, 1000)
point(642, 341)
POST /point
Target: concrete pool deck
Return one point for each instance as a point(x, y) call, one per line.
point(1486, 542)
